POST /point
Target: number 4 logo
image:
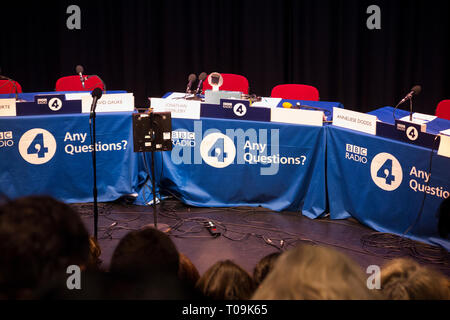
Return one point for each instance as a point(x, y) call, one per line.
point(386, 171)
point(37, 146)
point(218, 150)
point(412, 133)
point(55, 104)
point(240, 109)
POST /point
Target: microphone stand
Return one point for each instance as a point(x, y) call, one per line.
point(94, 163)
point(152, 168)
point(410, 109)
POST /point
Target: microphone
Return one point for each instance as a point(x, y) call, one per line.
point(201, 78)
point(414, 91)
point(79, 70)
point(192, 78)
point(96, 94)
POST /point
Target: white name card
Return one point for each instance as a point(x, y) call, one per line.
point(419, 118)
point(187, 109)
point(7, 107)
point(444, 145)
point(110, 102)
point(297, 116)
point(355, 120)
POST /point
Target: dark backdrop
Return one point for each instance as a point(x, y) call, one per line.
point(150, 47)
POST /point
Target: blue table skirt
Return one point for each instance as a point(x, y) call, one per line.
point(68, 174)
point(297, 185)
point(358, 185)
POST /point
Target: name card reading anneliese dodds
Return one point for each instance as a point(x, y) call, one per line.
point(355, 120)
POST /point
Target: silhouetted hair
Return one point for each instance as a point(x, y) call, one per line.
point(405, 279)
point(39, 238)
point(225, 280)
point(264, 266)
point(314, 273)
point(143, 251)
point(187, 271)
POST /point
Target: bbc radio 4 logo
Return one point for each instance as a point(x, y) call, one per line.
point(37, 146)
point(6, 139)
point(386, 171)
point(356, 153)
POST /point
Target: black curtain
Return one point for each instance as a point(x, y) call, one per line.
point(150, 47)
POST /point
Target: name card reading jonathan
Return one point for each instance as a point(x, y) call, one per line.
point(186, 109)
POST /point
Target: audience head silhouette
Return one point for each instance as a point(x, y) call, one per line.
point(144, 251)
point(225, 280)
point(264, 266)
point(405, 279)
point(314, 273)
point(40, 237)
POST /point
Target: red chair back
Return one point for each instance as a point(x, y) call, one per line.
point(7, 86)
point(73, 83)
point(295, 92)
point(231, 82)
point(443, 109)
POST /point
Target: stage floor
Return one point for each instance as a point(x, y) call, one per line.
point(248, 234)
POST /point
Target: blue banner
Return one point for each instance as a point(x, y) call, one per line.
point(53, 155)
point(227, 163)
point(382, 183)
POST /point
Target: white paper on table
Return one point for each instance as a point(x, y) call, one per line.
point(267, 102)
point(419, 118)
point(446, 132)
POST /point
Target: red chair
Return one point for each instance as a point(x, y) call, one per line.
point(443, 109)
point(73, 83)
point(295, 92)
point(231, 82)
point(7, 86)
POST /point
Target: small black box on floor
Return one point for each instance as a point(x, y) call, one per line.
point(152, 131)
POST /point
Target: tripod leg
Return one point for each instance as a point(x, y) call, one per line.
point(154, 190)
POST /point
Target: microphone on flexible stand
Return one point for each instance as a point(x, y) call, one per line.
point(414, 91)
point(201, 78)
point(79, 70)
point(191, 79)
point(96, 94)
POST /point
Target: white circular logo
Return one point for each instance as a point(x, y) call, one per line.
point(218, 150)
point(37, 146)
point(386, 171)
point(55, 104)
point(239, 109)
point(412, 133)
